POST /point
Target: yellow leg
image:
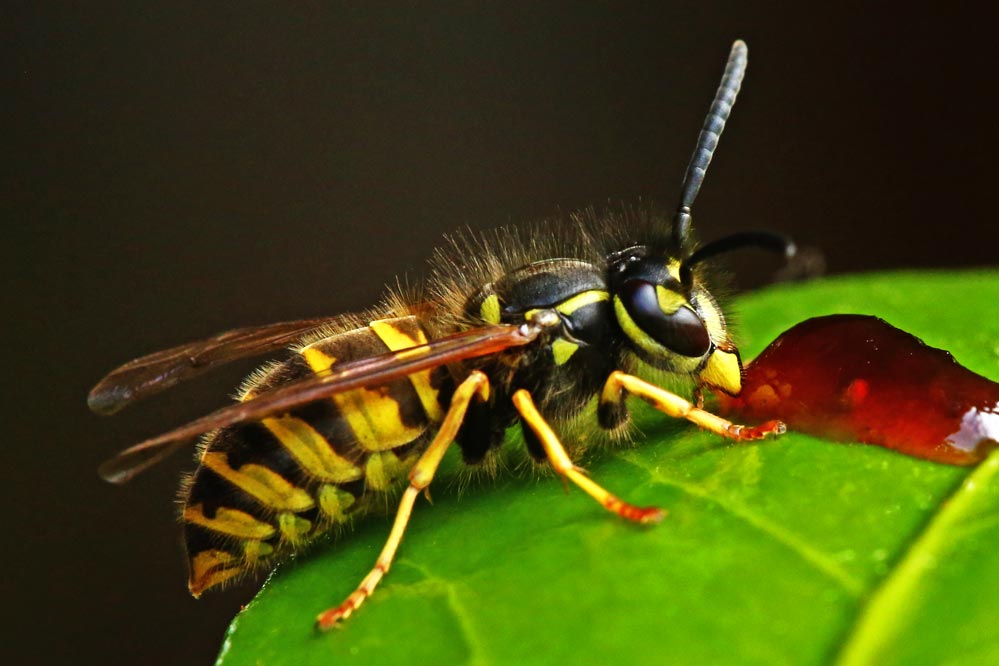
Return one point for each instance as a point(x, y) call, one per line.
point(563, 465)
point(475, 386)
point(673, 405)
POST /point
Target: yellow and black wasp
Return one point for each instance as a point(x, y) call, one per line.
point(538, 329)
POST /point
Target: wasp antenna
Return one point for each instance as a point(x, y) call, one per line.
point(707, 140)
point(765, 240)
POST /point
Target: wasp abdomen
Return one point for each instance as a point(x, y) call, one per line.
point(267, 487)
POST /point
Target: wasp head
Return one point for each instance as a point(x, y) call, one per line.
point(670, 319)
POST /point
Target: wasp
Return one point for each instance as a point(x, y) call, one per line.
point(546, 329)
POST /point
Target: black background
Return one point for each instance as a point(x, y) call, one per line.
point(176, 170)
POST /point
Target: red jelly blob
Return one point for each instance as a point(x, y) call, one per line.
point(857, 378)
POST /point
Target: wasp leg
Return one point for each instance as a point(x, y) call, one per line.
point(563, 465)
point(476, 386)
point(619, 384)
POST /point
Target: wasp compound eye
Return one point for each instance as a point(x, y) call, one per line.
point(666, 317)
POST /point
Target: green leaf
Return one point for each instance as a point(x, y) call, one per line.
point(795, 551)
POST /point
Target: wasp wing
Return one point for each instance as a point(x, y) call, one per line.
point(367, 372)
point(151, 374)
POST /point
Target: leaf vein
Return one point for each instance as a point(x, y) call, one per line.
point(449, 591)
point(812, 556)
point(891, 603)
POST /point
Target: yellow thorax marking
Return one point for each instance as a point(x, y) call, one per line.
point(490, 309)
point(265, 485)
point(563, 350)
point(311, 450)
point(570, 305)
point(229, 521)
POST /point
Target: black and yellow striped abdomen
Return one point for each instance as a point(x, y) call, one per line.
point(265, 488)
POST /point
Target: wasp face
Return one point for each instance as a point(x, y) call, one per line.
point(670, 324)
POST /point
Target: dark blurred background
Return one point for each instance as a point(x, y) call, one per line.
point(172, 170)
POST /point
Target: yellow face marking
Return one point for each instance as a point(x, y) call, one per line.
point(390, 332)
point(633, 331)
point(646, 343)
point(723, 371)
point(563, 350)
point(383, 469)
point(311, 450)
point(669, 301)
point(293, 528)
point(229, 521)
point(570, 305)
point(490, 309)
point(265, 485)
point(209, 568)
point(334, 502)
point(712, 317)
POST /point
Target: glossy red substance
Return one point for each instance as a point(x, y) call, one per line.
point(857, 378)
